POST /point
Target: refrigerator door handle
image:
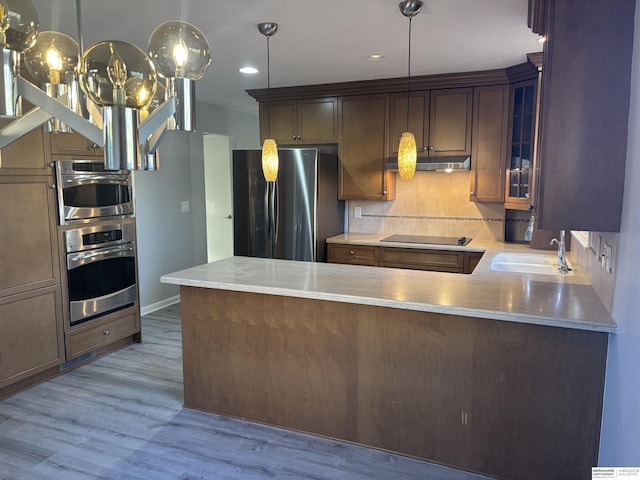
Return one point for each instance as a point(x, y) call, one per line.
point(276, 213)
point(271, 186)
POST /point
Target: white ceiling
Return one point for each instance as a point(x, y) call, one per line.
point(317, 42)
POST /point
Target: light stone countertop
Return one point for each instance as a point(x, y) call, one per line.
point(560, 301)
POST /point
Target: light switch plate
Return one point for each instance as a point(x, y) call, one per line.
point(357, 212)
point(185, 206)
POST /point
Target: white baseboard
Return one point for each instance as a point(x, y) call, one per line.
point(159, 305)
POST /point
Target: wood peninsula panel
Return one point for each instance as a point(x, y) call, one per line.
point(504, 399)
point(278, 360)
point(413, 383)
point(536, 400)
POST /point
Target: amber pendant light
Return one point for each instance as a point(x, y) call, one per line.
point(269, 147)
point(407, 154)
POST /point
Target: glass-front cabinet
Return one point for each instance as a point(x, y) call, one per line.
point(521, 145)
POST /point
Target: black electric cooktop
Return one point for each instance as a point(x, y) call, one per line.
point(461, 241)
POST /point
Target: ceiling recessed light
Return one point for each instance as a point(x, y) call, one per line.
point(375, 56)
point(249, 70)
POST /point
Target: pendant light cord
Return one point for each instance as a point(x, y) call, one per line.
point(79, 24)
point(268, 91)
point(409, 73)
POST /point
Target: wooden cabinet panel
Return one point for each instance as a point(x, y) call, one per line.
point(490, 123)
point(278, 120)
point(304, 122)
point(353, 254)
point(418, 120)
point(454, 261)
point(318, 121)
point(28, 239)
point(363, 134)
point(422, 259)
point(440, 120)
point(74, 144)
point(30, 333)
point(26, 156)
point(89, 337)
point(504, 399)
point(279, 360)
point(547, 427)
point(403, 365)
point(450, 122)
point(583, 156)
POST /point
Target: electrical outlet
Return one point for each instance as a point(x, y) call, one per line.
point(357, 212)
point(605, 255)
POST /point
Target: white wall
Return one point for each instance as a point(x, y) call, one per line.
point(620, 437)
point(168, 239)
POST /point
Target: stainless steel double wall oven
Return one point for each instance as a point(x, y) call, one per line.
point(96, 214)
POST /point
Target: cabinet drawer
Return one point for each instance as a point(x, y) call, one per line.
point(353, 254)
point(81, 342)
point(416, 259)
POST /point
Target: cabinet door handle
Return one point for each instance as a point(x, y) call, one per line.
point(53, 186)
point(425, 148)
point(293, 137)
point(473, 194)
point(351, 252)
point(298, 137)
point(107, 331)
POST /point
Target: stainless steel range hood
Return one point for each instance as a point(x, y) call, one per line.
point(433, 163)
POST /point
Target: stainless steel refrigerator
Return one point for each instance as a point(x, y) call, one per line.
point(292, 217)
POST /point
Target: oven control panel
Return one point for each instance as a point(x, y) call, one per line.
point(96, 238)
point(89, 238)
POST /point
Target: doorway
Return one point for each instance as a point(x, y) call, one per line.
point(218, 195)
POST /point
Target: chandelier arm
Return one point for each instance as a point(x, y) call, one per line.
point(156, 119)
point(23, 125)
point(58, 110)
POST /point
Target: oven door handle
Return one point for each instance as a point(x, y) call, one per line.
point(75, 260)
point(109, 179)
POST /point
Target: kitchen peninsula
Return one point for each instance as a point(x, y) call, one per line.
point(493, 372)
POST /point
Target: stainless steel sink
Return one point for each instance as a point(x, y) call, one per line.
point(527, 263)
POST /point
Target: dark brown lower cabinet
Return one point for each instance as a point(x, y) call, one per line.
point(510, 400)
point(435, 260)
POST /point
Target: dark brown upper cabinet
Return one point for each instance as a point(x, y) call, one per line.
point(439, 119)
point(586, 83)
point(362, 147)
point(490, 120)
point(310, 121)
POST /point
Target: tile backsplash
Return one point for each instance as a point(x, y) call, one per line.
point(432, 203)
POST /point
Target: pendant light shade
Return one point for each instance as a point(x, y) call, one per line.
point(269, 147)
point(407, 156)
point(407, 153)
point(270, 160)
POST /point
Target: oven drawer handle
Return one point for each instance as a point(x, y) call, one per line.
point(78, 259)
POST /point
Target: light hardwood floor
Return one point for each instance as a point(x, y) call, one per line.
point(121, 417)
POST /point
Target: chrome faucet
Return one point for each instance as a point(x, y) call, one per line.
point(562, 260)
